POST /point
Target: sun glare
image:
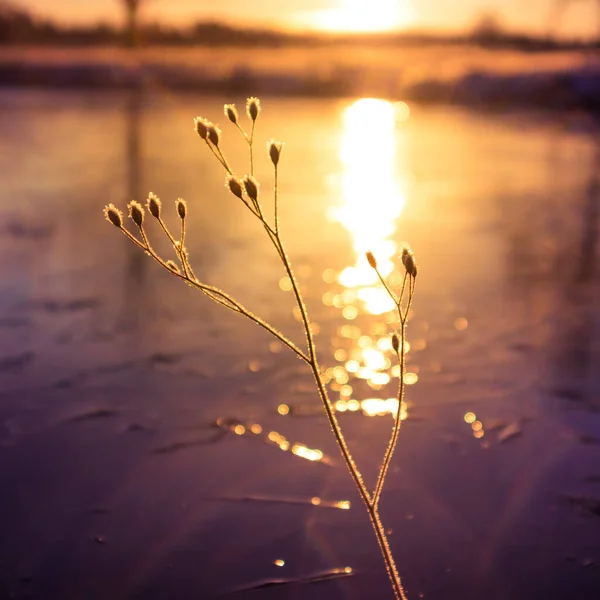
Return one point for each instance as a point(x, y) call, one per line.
point(364, 16)
point(372, 197)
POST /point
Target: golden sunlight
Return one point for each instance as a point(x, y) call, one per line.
point(362, 16)
point(372, 197)
point(370, 207)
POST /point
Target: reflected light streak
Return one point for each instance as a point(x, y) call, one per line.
point(372, 197)
point(373, 407)
point(307, 453)
point(274, 438)
point(372, 204)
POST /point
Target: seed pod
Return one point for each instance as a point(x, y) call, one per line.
point(201, 126)
point(114, 215)
point(136, 212)
point(181, 208)
point(408, 260)
point(154, 205)
point(395, 343)
point(253, 108)
point(234, 186)
point(411, 265)
point(275, 151)
point(214, 134)
point(251, 187)
point(231, 113)
point(371, 259)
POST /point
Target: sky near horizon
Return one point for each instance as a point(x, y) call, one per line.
point(580, 18)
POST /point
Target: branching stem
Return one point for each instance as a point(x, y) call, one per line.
point(310, 355)
point(370, 503)
point(218, 296)
point(401, 357)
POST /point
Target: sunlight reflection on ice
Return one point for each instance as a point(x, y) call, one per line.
point(314, 501)
point(274, 438)
point(370, 407)
point(476, 425)
point(372, 197)
point(372, 204)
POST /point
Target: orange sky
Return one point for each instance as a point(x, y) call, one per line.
point(581, 18)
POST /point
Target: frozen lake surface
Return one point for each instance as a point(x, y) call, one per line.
point(153, 445)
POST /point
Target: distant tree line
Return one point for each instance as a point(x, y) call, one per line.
point(20, 27)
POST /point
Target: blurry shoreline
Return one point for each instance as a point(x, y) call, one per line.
point(463, 74)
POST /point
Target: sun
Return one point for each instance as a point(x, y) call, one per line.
point(363, 16)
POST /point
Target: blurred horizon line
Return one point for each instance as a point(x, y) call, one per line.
point(23, 25)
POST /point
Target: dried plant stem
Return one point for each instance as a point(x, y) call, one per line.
point(275, 202)
point(211, 134)
point(220, 297)
point(370, 503)
point(401, 356)
point(179, 248)
point(397, 422)
point(249, 140)
point(219, 156)
point(250, 143)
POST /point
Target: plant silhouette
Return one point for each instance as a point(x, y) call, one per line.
point(247, 190)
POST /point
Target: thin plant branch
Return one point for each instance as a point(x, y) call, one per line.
point(248, 192)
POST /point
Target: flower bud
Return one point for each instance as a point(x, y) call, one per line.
point(136, 212)
point(181, 208)
point(231, 113)
point(114, 215)
point(214, 134)
point(251, 187)
point(154, 205)
point(371, 259)
point(234, 186)
point(201, 126)
point(253, 108)
point(408, 260)
point(395, 343)
point(275, 151)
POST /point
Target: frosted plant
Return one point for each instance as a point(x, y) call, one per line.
point(247, 190)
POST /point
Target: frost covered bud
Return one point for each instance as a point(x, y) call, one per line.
point(154, 205)
point(253, 108)
point(181, 208)
point(411, 265)
point(231, 113)
point(214, 134)
point(114, 215)
point(251, 187)
point(172, 266)
point(275, 151)
point(371, 259)
point(136, 212)
point(201, 126)
point(395, 343)
point(408, 260)
point(234, 186)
